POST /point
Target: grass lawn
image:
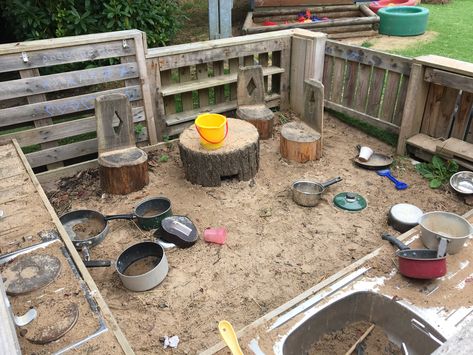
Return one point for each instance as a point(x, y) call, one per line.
point(454, 26)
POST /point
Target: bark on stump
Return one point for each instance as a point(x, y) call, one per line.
point(238, 158)
point(123, 171)
point(299, 142)
point(259, 116)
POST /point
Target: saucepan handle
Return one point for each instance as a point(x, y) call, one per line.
point(97, 263)
point(331, 181)
point(394, 241)
point(442, 247)
point(120, 216)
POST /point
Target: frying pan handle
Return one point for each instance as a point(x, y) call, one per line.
point(394, 241)
point(331, 181)
point(97, 263)
point(120, 216)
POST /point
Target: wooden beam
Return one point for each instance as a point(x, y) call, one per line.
point(413, 107)
point(452, 80)
point(447, 64)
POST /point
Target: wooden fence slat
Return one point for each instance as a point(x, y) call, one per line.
point(401, 100)
point(464, 112)
point(218, 71)
point(338, 80)
point(280, 82)
point(185, 77)
point(448, 103)
point(57, 56)
point(390, 96)
point(53, 132)
point(327, 78)
point(370, 57)
point(376, 88)
point(350, 84)
point(216, 54)
point(233, 64)
point(298, 63)
point(28, 113)
point(203, 74)
point(69, 80)
point(452, 80)
point(263, 59)
point(432, 109)
point(169, 101)
point(364, 74)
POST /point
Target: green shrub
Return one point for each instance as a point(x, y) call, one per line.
point(38, 19)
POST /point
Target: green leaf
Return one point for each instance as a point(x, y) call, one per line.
point(437, 162)
point(435, 183)
point(452, 167)
point(423, 169)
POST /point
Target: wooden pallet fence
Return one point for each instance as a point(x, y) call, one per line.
point(365, 84)
point(442, 99)
point(201, 77)
point(47, 98)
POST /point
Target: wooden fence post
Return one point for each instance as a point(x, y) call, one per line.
point(220, 18)
point(414, 106)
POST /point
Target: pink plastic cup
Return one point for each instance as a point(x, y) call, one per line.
point(215, 235)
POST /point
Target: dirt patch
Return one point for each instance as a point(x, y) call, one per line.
point(391, 43)
point(275, 249)
point(340, 341)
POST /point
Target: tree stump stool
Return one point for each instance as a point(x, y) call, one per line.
point(123, 167)
point(299, 142)
point(250, 99)
point(238, 158)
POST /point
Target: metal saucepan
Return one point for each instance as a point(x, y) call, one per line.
point(89, 228)
point(438, 228)
point(308, 193)
point(418, 263)
point(142, 266)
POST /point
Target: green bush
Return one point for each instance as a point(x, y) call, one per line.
point(38, 19)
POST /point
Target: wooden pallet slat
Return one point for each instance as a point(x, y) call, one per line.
point(444, 78)
point(350, 84)
point(327, 77)
point(364, 76)
point(233, 65)
point(401, 100)
point(390, 96)
point(376, 90)
point(186, 97)
point(460, 124)
point(338, 79)
point(432, 109)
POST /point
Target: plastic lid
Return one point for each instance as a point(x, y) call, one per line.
point(406, 213)
point(350, 201)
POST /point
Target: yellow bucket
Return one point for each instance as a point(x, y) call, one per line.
point(212, 129)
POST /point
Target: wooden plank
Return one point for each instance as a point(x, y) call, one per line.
point(299, 6)
point(27, 113)
point(298, 69)
point(58, 131)
point(203, 74)
point(376, 90)
point(460, 124)
point(374, 121)
point(185, 78)
point(345, 35)
point(327, 77)
point(225, 18)
point(32, 99)
point(233, 64)
point(34, 85)
point(401, 100)
point(413, 107)
point(364, 76)
point(367, 56)
point(263, 60)
point(448, 104)
point(214, 32)
point(217, 54)
point(448, 64)
point(390, 96)
point(350, 84)
point(456, 149)
point(218, 80)
point(178, 118)
point(444, 78)
point(338, 79)
point(55, 56)
point(218, 72)
point(169, 101)
point(280, 82)
point(439, 108)
point(315, 53)
point(110, 320)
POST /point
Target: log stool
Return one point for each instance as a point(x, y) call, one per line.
point(250, 100)
point(123, 167)
point(302, 141)
point(238, 158)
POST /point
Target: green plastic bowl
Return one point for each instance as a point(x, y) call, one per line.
point(403, 20)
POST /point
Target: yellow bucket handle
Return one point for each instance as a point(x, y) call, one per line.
point(205, 139)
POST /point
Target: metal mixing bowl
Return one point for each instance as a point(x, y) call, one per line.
point(462, 182)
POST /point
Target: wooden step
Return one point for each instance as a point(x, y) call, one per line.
point(194, 85)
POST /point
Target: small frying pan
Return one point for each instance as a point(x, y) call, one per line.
point(377, 161)
point(418, 263)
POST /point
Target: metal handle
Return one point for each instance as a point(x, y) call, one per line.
point(394, 241)
point(421, 328)
point(331, 181)
point(120, 216)
point(442, 247)
point(97, 263)
point(85, 254)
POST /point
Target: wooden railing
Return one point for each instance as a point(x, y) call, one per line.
point(42, 109)
point(366, 84)
point(201, 77)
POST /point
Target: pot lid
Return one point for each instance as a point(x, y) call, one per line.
point(179, 230)
point(406, 213)
point(350, 201)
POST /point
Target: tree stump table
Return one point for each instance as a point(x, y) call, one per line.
point(299, 142)
point(238, 158)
